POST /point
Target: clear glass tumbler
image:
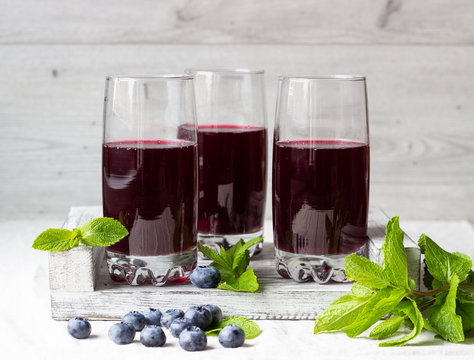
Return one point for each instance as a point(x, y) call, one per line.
point(149, 177)
point(232, 147)
point(320, 175)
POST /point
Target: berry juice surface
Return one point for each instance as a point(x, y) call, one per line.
point(232, 178)
point(150, 187)
point(320, 196)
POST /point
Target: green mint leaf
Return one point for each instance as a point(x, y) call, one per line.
point(462, 266)
point(245, 282)
point(395, 258)
point(251, 329)
point(387, 328)
point(241, 261)
point(410, 309)
point(241, 256)
point(226, 257)
point(365, 272)
point(54, 240)
point(235, 248)
point(214, 256)
point(341, 313)
point(409, 324)
point(76, 236)
point(427, 326)
point(102, 232)
point(466, 311)
point(466, 294)
point(422, 301)
point(226, 273)
point(251, 243)
point(359, 290)
point(422, 244)
point(380, 304)
point(442, 314)
point(437, 284)
point(441, 264)
point(232, 264)
point(213, 332)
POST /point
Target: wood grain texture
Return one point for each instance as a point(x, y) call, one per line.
point(74, 270)
point(77, 268)
point(420, 101)
point(238, 22)
point(277, 298)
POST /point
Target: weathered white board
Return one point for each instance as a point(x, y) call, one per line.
point(75, 295)
point(417, 56)
point(235, 22)
point(421, 127)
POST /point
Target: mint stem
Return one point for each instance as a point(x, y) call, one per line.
point(427, 305)
point(438, 290)
point(430, 292)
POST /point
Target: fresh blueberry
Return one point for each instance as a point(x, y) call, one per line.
point(216, 313)
point(152, 317)
point(170, 315)
point(199, 316)
point(231, 336)
point(122, 333)
point(178, 325)
point(136, 319)
point(79, 328)
point(193, 339)
point(152, 336)
point(205, 277)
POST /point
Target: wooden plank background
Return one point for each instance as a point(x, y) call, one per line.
point(418, 57)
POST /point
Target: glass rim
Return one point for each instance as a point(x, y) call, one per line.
point(243, 71)
point(150, 77)
point(336, 77)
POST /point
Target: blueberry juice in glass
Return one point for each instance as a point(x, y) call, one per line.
point(232, 156)
point(149, 178)
point(320, 176)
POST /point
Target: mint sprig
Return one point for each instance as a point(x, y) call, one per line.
point(96, 232)
point(251, 329)
point(232, 264)
point(447, 308)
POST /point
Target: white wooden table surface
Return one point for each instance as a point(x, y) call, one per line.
point(26, 327)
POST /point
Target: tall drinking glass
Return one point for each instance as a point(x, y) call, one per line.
point(320, 175)
point(232, 147)
point(149, 177)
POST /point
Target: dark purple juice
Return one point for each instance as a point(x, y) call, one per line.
point(232, 178)
point(320, 196)
point(150, 187)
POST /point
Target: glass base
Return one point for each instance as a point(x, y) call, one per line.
point(155, 270)
point(227, 241)
point(320, 268)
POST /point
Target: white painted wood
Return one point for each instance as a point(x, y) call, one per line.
point(74, 270)
point(237, 22)
point(77, 268)
point(420, 100)
point(277, 298)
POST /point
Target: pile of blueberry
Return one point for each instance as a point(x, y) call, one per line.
point(187, 326)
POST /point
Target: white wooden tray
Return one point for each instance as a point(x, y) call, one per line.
point(80, 285)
